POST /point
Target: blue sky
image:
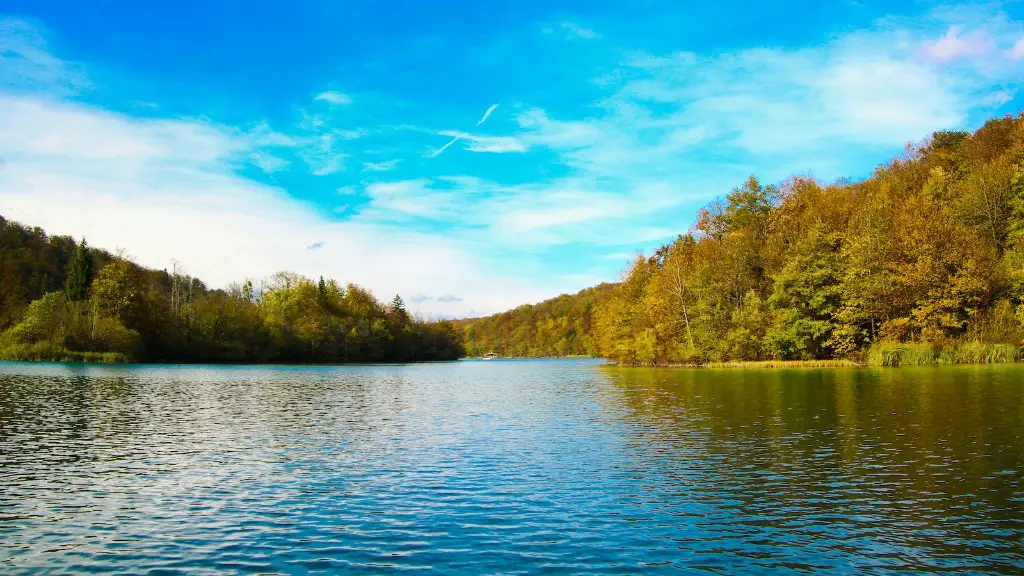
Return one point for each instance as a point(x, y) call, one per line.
point(467, 155)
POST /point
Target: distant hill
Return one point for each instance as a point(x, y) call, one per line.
point(557, 327)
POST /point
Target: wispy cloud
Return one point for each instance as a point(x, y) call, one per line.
point(444, 299)
point(334, 98)
point(618, 171)
point(26, 63)
point(169, 188)
point(405, 198)
point(487, 114)
point(954, 45)
point(1017, 52)
point(323, 154)
point(571, 30)
point(441, 150)
point(676, 129)
point(496, 144)
point(382, 166)
point(575, 30)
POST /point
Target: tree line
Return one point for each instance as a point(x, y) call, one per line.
point(560, 326)
point(62, 300)
point(922, 262)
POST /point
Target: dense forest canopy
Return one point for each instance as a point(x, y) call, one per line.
point(65, 301)
point(925, 257)
point(561, 326)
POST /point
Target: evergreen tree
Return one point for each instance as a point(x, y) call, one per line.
point(398, 307)
point(80, 274)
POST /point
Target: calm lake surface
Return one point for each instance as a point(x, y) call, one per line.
point(510, 466)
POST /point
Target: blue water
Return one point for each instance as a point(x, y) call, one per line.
point(510, 467)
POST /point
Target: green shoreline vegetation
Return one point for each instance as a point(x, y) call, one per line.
point(921, 263)
point(66, 302)
point(556, 328)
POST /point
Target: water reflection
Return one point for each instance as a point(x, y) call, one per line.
point(914, 468)
point(483, 467)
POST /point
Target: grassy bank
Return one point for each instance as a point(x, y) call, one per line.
point(47, 352)
point(752, 364)
point(883, 354)
point(900, 354)
point(785, 364)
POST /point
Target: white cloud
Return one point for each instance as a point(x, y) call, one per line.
point(334, 98)
point(26, 64)
point(166, 190)
point(1017, 52)
point(408, 198)
point(494, 144)
point(383, 166)
point(864, 91)
point(267, 163)
point(672, 131)
point(528, 216)
point(444, 298)
point(323, 155)
point(953, 45)
point(577, 31)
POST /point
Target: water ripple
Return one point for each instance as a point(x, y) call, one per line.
point(509, 467)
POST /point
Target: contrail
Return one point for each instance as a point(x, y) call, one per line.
point(487, 114)
point(445, 147)
point(459, 136)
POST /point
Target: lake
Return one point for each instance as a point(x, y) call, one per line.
point(557, 466)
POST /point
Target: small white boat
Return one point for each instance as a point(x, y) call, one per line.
point(489, 356)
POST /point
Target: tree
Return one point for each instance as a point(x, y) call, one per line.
point(116, 289)
point(80, 274)
point(398, 308)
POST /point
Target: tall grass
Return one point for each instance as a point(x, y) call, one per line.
point(49, 352)
point(974, 352)
point(784, 364)
point(906, 354)
point(985, 353)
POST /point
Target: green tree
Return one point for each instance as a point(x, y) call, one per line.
point(80, 273)
point(117, 289)
point(398, 308)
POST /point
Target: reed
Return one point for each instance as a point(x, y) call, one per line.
point(906, 354)
point(784, 364)
point(986, 353)
point(48, 352)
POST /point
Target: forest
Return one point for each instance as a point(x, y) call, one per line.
point(923, 262)
point(560, 326)
point(65, 301)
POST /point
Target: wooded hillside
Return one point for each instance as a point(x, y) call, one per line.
point(65, 301)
